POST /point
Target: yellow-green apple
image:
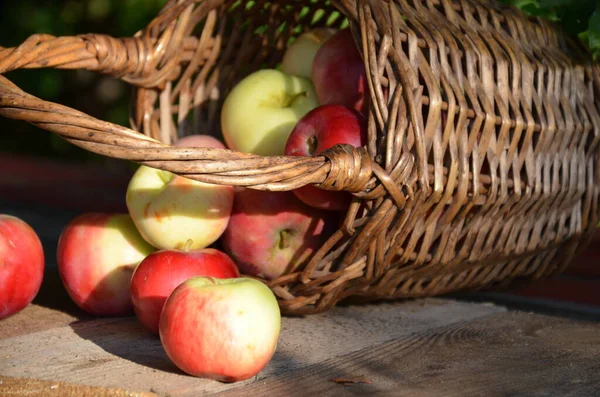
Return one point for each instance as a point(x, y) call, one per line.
point(261, 110)
point(298, 58)
point(21, 265)
point(320, 129)
point(173, 212)
point(97, 254)
point(162, 271)
point(220, 329)
point(339, 74)
point(271, 232)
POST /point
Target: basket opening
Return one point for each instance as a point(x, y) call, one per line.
point(239, 37)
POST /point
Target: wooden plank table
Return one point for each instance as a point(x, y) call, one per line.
point(478, 345)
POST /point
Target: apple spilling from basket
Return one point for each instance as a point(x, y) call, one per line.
point(179, 259)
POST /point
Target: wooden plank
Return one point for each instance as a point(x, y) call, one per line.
point(32, 319)
point(541, 305)
point(120, 353)
point(507, 354)
point(22, 387)
point(425, 348)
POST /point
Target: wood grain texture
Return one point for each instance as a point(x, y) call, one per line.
point(481, 161)
point(34, 318)
point(508, 354)
point(120, 353)
point(21, 387)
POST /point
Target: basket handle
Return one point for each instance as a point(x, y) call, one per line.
point(148, 59)
point(342, 167)
point(136, 60)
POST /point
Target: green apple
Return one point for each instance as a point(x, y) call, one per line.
point(299, 56)
point(261, 110)
point(173, 212)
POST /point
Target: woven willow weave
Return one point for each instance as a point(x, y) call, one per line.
point(482, 160)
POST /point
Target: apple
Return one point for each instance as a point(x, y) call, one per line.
point(261, 110)
point(220, 329)
point(320, 129)
point(199, 140)
point(271, 232)
point(97, 254)
point(173, 212)
point(339, 74)
point(299, 56)
point(21, 265)
point(162, 271)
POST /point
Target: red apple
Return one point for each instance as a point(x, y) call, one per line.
point(270, 232)
point(320, 129)
point(162, 271)
point(21, 265)
point(339, 74)
point(199, 140)
point(221, 329)
point(97, 254)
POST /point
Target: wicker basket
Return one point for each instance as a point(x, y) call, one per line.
point(481, 166)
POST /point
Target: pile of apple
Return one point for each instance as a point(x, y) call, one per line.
point(182, 257)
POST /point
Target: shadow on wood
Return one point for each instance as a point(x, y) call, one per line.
point(128, 340)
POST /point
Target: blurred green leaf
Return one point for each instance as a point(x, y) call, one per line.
point(575, 17)
point(118, 114)
point(72, 12)
point(593, 34)
point(60, 145)
point(526, 3)
point(320, 13)
point(99, 9)
point(50, 84)
point(555, 3)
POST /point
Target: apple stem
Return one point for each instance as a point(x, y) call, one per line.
point(283, 239)
point(166, 176)
point(294, 98)
point(188, 244)
point(312, 145)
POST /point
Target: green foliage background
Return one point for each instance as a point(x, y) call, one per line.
point(108, 99)
point(99, 96)
point(577, 17)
